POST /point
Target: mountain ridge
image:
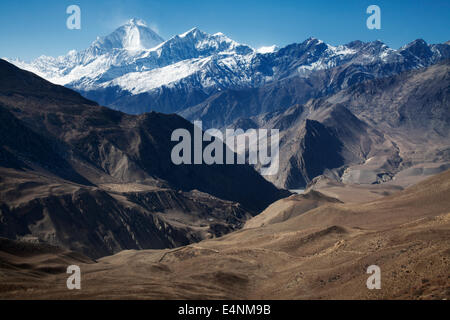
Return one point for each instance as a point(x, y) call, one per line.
point(193, 66)
point(98, 181)
point(384, 126)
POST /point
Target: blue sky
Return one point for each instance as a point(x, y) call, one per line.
point(35, 27)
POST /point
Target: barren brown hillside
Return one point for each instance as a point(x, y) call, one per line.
point(322, 253)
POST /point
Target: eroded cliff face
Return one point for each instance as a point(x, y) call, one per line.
point(97, 222)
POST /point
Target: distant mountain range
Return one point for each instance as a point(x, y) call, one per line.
point(226, 84)
point(195, 74)
point(98, 181)
point(368, 132)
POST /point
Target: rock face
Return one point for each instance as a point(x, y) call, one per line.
point(417, 101)
point(99, 223)
point(306, 153)
point(99, 181)
point(224, 108)
point(366, 133)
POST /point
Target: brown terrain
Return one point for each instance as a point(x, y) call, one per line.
point(307, 246)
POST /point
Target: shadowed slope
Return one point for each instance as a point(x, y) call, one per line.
point(91, 179)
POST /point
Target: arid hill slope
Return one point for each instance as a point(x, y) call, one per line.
point(322, 253)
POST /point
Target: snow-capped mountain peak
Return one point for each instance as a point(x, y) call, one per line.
point(133, 48)
point(134, 35)
point(193, 33)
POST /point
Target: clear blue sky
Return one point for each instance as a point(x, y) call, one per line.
point(35, 27)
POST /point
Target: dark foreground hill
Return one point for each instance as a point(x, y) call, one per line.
point(99, 181)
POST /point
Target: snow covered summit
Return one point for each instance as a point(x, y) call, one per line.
point(134, 35)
